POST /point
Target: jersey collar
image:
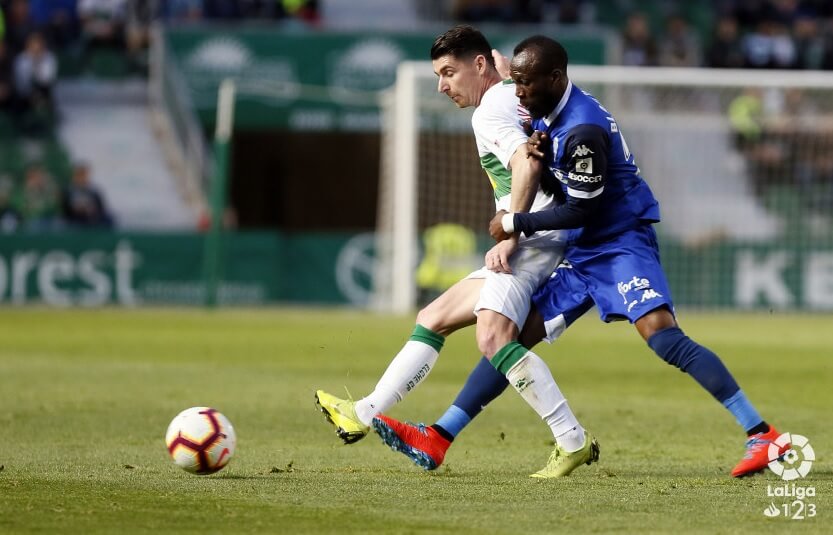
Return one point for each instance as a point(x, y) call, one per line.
point(549, 119)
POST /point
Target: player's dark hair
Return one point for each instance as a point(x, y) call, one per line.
point(462, 42)
point(551, 54)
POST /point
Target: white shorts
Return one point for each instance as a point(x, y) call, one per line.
point(510, 294)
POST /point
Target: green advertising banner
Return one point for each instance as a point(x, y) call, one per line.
point(314, 80)
point(766, 277)
point(95, 269)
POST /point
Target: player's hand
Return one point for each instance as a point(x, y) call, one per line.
point(496, 226)
point(497, 259)
point(501, 64)
point(538, 145)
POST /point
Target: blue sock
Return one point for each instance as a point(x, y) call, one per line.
point(744, 412)
point(453, 421)
point(484, 384)
point(677, 349)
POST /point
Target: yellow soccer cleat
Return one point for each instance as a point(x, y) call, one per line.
point(342, 414)
point(562, 463)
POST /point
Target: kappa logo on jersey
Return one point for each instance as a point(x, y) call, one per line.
point(650, 294)
point(582, 151)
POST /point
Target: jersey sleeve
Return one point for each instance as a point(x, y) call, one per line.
point(497, 125)
point(585, 161)
point(584, 165)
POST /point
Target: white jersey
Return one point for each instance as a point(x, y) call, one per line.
point(498, 131)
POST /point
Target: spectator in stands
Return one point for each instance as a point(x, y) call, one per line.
point(565, 11)
point(57, 19)
point(769, 46)
point(638, 46)
point(761, 121)
point(787, 11)
point(38, 201)
point(809, 44)
point(725, 50)
point(679, 46)
point(221, 9)
point(140, 15)
point(6, 79)
point(749, 13)
point(493, 11)
point(102, 24)
point(35, 72)
point(305, 10)
point(19, 25)
point(82, 204)
point(10, 218)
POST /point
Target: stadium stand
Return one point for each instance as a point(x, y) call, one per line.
point(100, 43)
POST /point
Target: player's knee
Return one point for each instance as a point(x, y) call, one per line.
point(488, 344)
point(427, 318)
point(490, 340)
point(433, 319)
point(654, 321)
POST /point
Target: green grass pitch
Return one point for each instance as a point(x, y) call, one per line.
point(86, 396)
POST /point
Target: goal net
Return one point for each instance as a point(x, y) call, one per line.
point(741, 162)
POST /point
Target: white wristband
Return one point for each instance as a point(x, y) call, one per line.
point(508, 223)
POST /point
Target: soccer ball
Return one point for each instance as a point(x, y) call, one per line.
point(201, 440)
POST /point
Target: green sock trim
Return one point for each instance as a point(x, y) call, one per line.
point(427, 336)
point(507, 356)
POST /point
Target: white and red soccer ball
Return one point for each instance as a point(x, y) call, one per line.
point(201, 440)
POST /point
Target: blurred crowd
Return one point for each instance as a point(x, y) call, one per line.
point(40, 38)
point(79, 27)
point(787, 34)
point(758, 34)
point(38, 204)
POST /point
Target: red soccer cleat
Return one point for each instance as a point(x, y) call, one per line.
point(756, 457)
point(421, 444)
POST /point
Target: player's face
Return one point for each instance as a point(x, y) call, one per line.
point(536, 87)
point(460, 79)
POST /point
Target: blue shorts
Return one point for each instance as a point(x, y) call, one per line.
point(622, 277)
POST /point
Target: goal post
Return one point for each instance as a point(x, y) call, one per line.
point(405, 195)
point(740, 160)
point(217, 194)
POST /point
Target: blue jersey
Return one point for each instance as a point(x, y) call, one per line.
point(592, 161)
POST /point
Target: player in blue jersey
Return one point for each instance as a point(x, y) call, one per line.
point(497, 303)
point(612, 257)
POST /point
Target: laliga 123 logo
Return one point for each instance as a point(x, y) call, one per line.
point(792, 464)
point(784, 465)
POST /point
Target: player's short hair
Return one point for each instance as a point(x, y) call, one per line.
point(462, 41)
point(551, 54)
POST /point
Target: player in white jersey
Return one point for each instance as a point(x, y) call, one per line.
point(498, 303)
point(500, 136)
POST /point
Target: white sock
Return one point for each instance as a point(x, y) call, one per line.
point(572, 440)
point(407, 369)
point(532, 379)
